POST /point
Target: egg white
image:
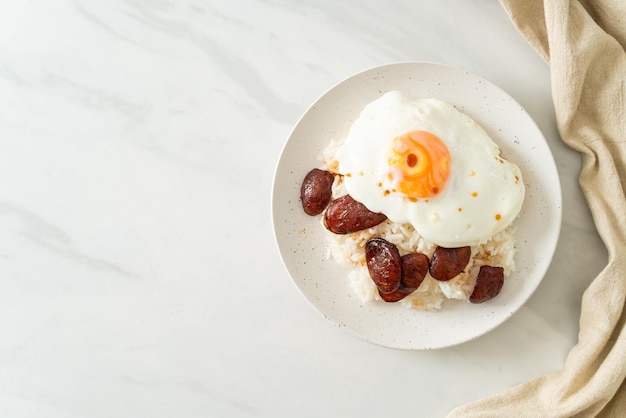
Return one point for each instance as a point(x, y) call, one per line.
point(484, 192)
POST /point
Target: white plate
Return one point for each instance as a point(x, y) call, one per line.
point(301, 241)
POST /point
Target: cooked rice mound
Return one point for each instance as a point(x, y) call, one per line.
point(349, 250)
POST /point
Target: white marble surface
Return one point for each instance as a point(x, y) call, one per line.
point(138, 271)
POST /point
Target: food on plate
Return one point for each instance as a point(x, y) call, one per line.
point(422, 204)
point(395, 276)
point(414, 269)
point(421, 161)
point(447, 263)
point(345, 215)
point(488, 284)
point(316, 191)
point(384, 264)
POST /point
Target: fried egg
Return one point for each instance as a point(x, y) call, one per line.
point(423, 162)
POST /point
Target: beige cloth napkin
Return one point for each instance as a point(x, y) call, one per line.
point(583, 43)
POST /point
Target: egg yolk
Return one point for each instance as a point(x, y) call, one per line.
point(419, 164)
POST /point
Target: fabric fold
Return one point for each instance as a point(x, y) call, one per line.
point(583, 43)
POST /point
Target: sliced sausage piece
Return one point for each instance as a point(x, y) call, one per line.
point(316, 191)
point(384, 264)
point(399, 294)
point(488, 284)
point(414, 269)
point(345, 215)
point(447, 263)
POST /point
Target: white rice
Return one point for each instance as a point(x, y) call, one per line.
point(349, 250)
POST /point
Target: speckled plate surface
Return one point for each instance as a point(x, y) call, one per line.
point(301, 238)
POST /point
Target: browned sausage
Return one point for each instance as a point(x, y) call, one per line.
point(414, 269)
point(345, 215)
point(447, 263)
point(316, 191)
point(488, 284)
point(384, 264)
point(399, 294)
